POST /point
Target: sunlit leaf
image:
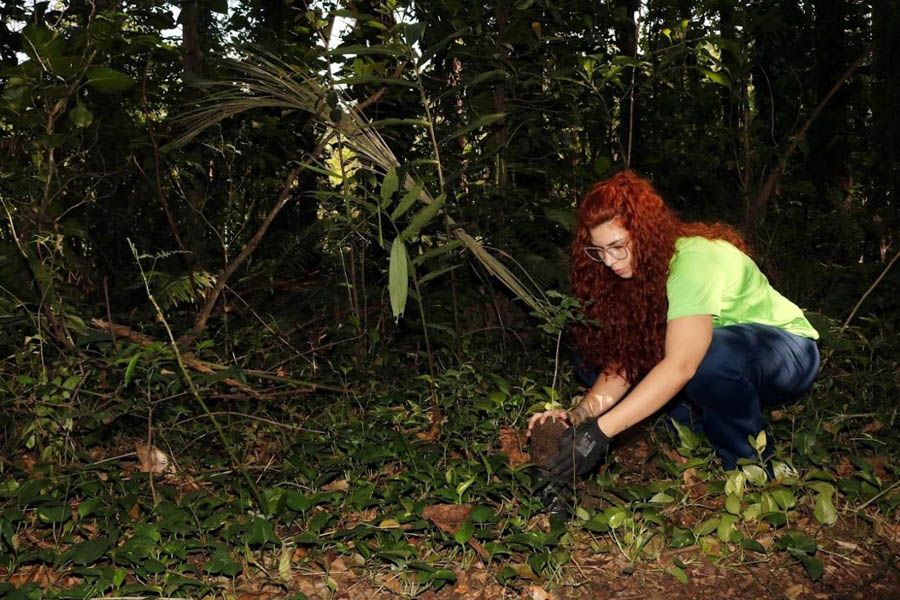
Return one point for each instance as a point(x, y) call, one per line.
point(107, 80)
point(398, 278)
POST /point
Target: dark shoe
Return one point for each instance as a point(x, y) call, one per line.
point(556, 496)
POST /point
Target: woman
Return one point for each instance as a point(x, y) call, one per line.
point(675, 306)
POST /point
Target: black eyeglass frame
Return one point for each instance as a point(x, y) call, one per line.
point(614, 252)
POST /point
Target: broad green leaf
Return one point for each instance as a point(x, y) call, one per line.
point(759, 444)
point(822, 487)
point(483, 514)
point(726, 527)
point(296, 501)
point(465, 531)
point(107, 80)
point(423, 217)
point(824, 510)
point(597, 524)
point(319, 520)
point(821, 475)
point(755, 474)
point(53, 514)
point(797, 540)
point(777, 519)
point(814, 567)
point(662, 498)
point(785, 498)
point(88, 507)
point(389, 186)
point(753, 546)
point(717, 77)
point(707, 526)
point(681, 537)
point(88, 552)
point(689, 440)
point(733, 505)
point(752, 512)
point(617, 516)
point(478, 123)
point(41, 42)
point(259, 532)
point(407, 201)
point(734, 483)
point(398, 278)
point(679, 574)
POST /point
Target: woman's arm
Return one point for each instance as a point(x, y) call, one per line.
point(606, 391)
point(687, 340)
point(609, 388)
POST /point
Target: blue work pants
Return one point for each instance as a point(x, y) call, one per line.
point(746, 367)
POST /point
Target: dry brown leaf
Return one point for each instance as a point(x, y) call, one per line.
point(339, 485)
point(511, 445)
point(675, 457)
point(873, 427)
point(152, 459)
point(536, 592)
point(447, 517)
point(795, 591)
point(844, 469)
point(878, 463)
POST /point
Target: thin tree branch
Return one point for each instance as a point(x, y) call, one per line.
point(768, 189)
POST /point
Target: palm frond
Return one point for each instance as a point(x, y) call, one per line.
point(264, 81)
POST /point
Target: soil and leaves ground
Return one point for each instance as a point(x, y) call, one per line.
point(117, 492)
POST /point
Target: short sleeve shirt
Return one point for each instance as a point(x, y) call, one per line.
point(713, 277)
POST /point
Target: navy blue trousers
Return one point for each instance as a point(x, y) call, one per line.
point(747, 367)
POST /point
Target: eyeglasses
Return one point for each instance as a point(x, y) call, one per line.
point(599, 254)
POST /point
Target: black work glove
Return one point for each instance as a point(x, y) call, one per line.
point(581, 450)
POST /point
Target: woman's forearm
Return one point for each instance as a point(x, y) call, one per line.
point(603, 395)
point(659, 386)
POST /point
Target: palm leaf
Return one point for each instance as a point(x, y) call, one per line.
point(264, 81)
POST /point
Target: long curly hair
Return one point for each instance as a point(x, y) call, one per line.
point(629, 315)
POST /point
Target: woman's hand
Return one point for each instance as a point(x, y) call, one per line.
point(555, 415)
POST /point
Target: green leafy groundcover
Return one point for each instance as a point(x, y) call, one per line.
point(355, 480)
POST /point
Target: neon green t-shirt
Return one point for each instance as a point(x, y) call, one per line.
point(712, 277)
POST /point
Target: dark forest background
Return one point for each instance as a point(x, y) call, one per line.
point(354, 216)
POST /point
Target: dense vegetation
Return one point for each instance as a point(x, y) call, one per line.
point(275, 278)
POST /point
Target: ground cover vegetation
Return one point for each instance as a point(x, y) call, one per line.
point(283, 281)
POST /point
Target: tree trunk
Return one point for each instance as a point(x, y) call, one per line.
point(626, 40)
point(190, 39)
point(885, 132)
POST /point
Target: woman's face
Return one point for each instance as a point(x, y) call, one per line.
point(612, 246)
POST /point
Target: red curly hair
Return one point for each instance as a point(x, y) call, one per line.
point(629, 315)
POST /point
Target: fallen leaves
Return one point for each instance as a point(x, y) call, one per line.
point(153, 460)
point(511, 445)
point(447, 517)
point(338, 485)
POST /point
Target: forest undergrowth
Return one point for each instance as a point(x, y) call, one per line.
point(115, 483)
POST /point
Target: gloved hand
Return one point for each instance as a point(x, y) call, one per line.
point(581, 450)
